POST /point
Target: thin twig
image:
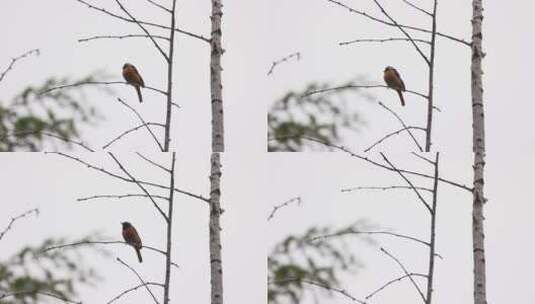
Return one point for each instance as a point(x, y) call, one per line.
point(118, 196)
point(274, 64)
point(132, 289)
point(139, 185)
point(403, 124)
point(414, 28)
point(417, 7)
point(153, 162)
point(357, 87)
point(158, 47)
point(408, 182)
point(14, 60)
point(375, 163)
point(393, 281)
point(330, 288)
point(385, 188)
point(159, 6)
point(132, 130)
point(423, 158)
point(34, 292)
point(432, 253)
point(140, 279)
point(351, 231)
point(406, 272)
point(392, 134)
point(167, 285)
point(286, 203)
point(143, 122)
point(382, 40)
point(200, 37)
point(121, 37)
point(65, 139)
point(102, 170)
point(14, 219)
point(97, 83)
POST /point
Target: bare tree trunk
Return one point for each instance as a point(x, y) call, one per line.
point(216, 86)
point(170, 80)
point(169, 233)
point(431, 80)
point(216, 268)
point(478, 233)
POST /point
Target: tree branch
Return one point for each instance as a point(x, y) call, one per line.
point(385, 188)
point(140, 279)
point(67, 140)
point(337, 290)
point(392, 134)
point(286, 203)
point(154, 163)
point(143, 122)
point(351, 231)
point(140, 186)
point(120, 196)
point(406, 273)
point(403, 124)
point(132, 130)
point(382, 40)
point(14, 60)
point(393, 281)
point(132, 289)
point(296, 55)
point(33, 292)
point(121, 37)
point(14, 219)
point(98, 83)
point(357, 87)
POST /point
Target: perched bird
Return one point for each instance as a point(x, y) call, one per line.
point(394, 81)
point(131, 237)
point(131, 75)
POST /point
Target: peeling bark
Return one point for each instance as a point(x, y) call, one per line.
point(216, 86)
point(216, 267)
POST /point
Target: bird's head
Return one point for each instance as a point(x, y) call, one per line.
point(126, 225)
point(126, 65)
point(389, 68)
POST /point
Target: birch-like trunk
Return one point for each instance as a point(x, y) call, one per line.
point(216, 268)
point(216, 86)
point(478, 233)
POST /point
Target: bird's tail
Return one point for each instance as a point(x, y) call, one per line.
point(401, 97)
point(138, 251)
point(138, 90)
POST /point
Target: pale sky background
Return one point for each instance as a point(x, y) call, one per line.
point(255, 34)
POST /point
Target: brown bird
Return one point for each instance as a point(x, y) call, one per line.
point(394, 81)
point(131, 236)
point(132, 76)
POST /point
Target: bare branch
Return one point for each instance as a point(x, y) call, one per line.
point(382, 40)
point(65, 139)
point(423, 158)
point(286, 203)
point(159, 6)
point(200, 37)
point(100, 243)
point(140, 279)
point(375, 163)
point(98, 83)
point(357, 87)
point(406, 272)
point(132, 289)
point(432, 253)
point(296, 55)
point(158, 47)
point(167, 284)
point(14, 219)
point(132, 130)
point(392, 134)
point(140, 186)
point(199, 197)
point(414, 28)
point(351, 231)
point(121, 37)
point(385, 188)
point(417, 8)
point(120, 196)
point(153, 163)
point(337, 290)
point(144, 123)
point(33, 292)
point(408, 182)
point(403, 124)
point(14, 60)
point(393, 281)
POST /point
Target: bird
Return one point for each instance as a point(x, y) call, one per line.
point(132, 76)
point(394, 81)
point(131, 236)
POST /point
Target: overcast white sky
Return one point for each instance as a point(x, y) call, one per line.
point(255, 34)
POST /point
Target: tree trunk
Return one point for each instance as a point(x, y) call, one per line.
point(216, 86)
point(216, 268)
point(478, 234)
